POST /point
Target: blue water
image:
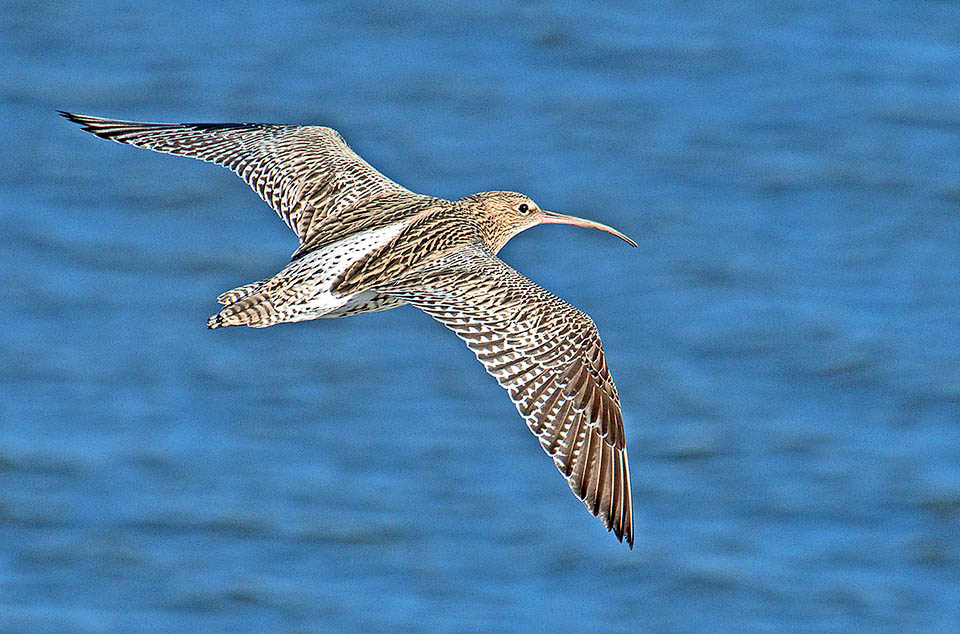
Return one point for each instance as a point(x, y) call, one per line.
point(786, 340)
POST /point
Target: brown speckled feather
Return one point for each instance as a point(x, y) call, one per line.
point(548, 356)
point(307, 174)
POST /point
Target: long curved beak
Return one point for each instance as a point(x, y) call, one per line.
point(552, 218)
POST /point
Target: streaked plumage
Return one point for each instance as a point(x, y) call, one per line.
point(367, 244)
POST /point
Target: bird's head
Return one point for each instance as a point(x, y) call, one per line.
point(505, 214)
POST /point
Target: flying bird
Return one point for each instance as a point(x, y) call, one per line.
point(368, 244)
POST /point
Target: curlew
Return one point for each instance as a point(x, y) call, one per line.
point(368, 244)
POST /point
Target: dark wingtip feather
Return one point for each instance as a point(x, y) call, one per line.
point(90, 124)
point(82, 119)
point(114, 129)
point(70, 116)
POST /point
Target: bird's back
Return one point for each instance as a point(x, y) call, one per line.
point(436, 230)
point(369, 215)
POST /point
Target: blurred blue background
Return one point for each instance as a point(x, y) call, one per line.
point(785, 339)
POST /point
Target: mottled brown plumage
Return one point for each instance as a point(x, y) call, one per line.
point(368, 244)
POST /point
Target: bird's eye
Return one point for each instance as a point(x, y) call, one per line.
point(524, 208)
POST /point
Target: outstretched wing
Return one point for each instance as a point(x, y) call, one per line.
point(548, 356)
point(305, 173)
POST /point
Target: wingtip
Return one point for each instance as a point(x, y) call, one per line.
point(624, 535)
point(622, 530)
point(80, 119)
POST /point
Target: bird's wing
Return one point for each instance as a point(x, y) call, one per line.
point(305, 173)
point(548, 356)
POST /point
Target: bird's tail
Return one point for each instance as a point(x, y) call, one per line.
point(256, 310)
point(240, 292)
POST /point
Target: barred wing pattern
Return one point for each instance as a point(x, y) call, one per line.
point(305, 173)
point(548, 356)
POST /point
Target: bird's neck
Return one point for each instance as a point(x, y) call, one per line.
point(481, 223)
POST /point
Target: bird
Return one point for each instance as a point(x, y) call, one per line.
point(368, 244)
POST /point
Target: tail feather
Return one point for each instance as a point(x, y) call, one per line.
point(240, 292)
point(257, 311)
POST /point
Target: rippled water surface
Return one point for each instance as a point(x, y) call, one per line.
point(786, 339)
